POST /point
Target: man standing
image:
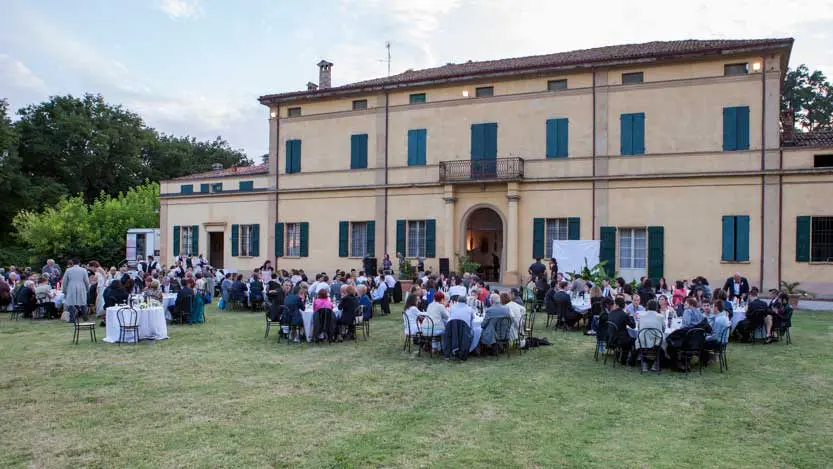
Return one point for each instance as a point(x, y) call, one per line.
point(737, 286)
point(53, 271)
point(537, 269)
point(75, 285)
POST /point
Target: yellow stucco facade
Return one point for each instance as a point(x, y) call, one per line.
point(684, 181)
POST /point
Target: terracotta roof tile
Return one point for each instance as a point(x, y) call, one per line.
point(813, 139)
point(229, 172)
point(585, 57)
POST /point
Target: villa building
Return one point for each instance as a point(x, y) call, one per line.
point(671, 154)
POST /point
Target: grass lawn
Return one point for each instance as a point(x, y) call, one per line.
point(219, 395)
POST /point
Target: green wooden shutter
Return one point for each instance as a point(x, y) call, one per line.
point(343, 238)
point(430, 238)
point(358, 151)
point(296, 163)
point(490, 140)
point(186, 188)
point(247, 185)
point(742, 128)
point(289, 156)
point(538, 238)
point(552, 138)
point(235, 240)
point(607, 250)
point(195, 240)
point(255, 240)
point(802, 239)
point(728, 251)
point(730, 137)
point(175, 240)
point(574, 228)
point(563, 138)
point(278, 239)
point(478, 141)
point(304, 239)
point(656, 252)
point(422, 141)
point(742, 238)
point(371, 238)
point(412, 147)
point(626, 134)
point(639, 133)
point(400, 237)
point(203, 188)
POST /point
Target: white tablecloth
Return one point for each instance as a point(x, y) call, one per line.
point(168, 299)
point(476, 331)
point(307, 315)
point(738, 315)
point(581, 306)
point(58, 299)
point(152, 325)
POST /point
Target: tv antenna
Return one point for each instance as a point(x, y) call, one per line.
point(387, 46)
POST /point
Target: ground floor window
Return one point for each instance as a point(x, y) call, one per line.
point(187, 241)
point(821, 239)
point(293, 239)
point(633, 248)
point(358, 239)
point(555, 230)
point(416, 238)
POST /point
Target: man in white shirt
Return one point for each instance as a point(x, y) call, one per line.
point(390, 281)
point(460, 310)
point(379, 292)
point(634, 308)
point(320, 282)
point(362, 278)
point(457, 289)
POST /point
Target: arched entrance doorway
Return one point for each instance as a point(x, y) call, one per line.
point(484, 241)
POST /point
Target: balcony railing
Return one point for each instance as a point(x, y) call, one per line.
point(500, 169)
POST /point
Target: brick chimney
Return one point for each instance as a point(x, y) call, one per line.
point(787, 125)
point(324, 75)
point(311, 86)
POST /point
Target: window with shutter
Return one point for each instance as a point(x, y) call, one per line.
point(416, 147)
point(557, 138)
point(358, 151)
point(736, 128)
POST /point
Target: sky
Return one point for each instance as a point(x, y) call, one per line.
point(196, 67)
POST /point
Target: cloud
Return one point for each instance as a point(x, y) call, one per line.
point(179, 9)
point(15, 74)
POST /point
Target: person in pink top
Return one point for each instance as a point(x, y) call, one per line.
point(322, 300)
point(679, 293)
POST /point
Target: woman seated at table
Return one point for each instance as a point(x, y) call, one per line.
point(115, 294)
point(255, 291)
point(45, 297)
point(627, 293)
point(412, 312)
point(496, 312)
point(365, 301)
point(348, 306)
point(665, 308)
point(153, 292)
point(322, 300)
point(596, 298)
point(238, 290)
point(181, 309)
point(678, 294)
point(25, 296)
point(294, 304)
point(438, 313)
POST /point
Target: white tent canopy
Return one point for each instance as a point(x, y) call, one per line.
point(571, 255)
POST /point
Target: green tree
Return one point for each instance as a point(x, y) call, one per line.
point(74, 228)
point(810, 97)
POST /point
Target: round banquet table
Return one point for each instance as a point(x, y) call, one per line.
point(168, 299)
point(152, 324)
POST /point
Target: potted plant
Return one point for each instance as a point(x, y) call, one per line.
point(407, 275)
point(465, 264)
point(795, 293)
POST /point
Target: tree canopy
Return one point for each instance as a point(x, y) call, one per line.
point(810, 97)
point(72, 146)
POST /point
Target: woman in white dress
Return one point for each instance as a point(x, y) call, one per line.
point(103, 281)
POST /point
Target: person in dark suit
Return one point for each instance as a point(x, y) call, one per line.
point(737, 286)
point(25, 295)
point(181, 309)
point(115, 294)
point(295, 304)
point(622, 320)
point(277, 296)
point(567, 316)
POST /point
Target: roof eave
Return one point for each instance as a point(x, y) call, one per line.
point(277, 99)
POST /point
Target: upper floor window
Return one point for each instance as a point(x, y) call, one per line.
point(217, 187)
point(632, 136)
point(204, 188)
point(247, 185)
point(735, 69)
point(735, 240)
point(293, 112)
point(358, 151)
point(416, 147)
point(359, 104)
point(557, 85)
point(186, 189)
point(823, 161)
point(417, 98)
point(735, 128)
point(293, 156)
point(484, 91)
point(632, 78)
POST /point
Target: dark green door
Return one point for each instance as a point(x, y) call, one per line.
point(484, 151)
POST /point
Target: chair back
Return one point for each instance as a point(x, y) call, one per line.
point(522, 326)
point(407, 325)
point(724, 337)
point(127, 317)
point(503, 329)
point(359, 315)
point(649, 338)
point(695, 340)
point(612, 336)
point(425, 326)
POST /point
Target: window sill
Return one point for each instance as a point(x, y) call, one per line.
point(817, 263)
point(735, 262)
point(290, 257)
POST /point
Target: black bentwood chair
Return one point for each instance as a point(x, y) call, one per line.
point(79, 326)
point(128, 323)
point(649, 342)
point(503, 335)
